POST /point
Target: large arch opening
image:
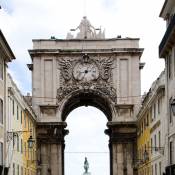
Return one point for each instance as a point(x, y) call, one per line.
point(86, 114)
point(87, 99)
point(86, 138)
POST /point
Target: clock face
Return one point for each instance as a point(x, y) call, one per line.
point(85, 71)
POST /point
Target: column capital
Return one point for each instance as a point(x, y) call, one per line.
point(51, 132)
point(121, 132)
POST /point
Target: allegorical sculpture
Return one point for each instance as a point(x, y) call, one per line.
point(86, 167)
point(87, 31)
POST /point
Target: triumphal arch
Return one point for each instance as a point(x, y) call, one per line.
point(88, 69)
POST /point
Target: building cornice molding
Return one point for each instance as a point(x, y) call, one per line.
point(9, 55)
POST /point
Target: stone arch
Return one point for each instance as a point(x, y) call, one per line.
point(69, 73)
point(90, 98)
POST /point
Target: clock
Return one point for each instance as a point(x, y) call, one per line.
point(85, 71)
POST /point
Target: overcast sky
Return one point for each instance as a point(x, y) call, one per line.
point(24, 20)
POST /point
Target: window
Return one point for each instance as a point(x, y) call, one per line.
point(21, 146)
point(25, 149)
point(28, 124)
point(24, 120)
point(18, 170)
point(151, 118)
point(155, 169)
point(155, 142)
point(170, 111)
point(13, 169)
point(151, 145)
point(1, 111)
point(154, 111)
point(13, 142)
point(141, 128)
point(159, 103)
point(160, 170)
point(21, 116)
point(171, 152)
point(145, 125)
point(159, 139)
point(169, 65)
point(17, 143)
point(17, 112)
point(1, 153)
point(147, 120)
point(13, 107)
point(1, 68)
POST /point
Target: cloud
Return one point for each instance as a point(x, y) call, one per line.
point(86, 126)
point(7, 6)
point(24, 20)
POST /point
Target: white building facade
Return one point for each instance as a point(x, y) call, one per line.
point(152, 132)
point(167, 51)
point(158, 131)
point(6, 55)
point(20, 125)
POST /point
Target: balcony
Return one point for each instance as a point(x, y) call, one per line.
point(168, 40)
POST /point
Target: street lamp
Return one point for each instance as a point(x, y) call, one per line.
point(31, 142)
point(173, 106)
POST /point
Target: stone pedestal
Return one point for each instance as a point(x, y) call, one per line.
point(88, 173)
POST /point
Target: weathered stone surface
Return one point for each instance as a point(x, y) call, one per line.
point(104, 73)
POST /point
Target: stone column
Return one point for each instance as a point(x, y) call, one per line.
point(54, 162)
point(120, 160)
point(51, 141)
point(129, 158)
point(44, 159)
point(122, 138)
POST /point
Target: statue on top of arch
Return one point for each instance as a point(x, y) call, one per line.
point(87, 31)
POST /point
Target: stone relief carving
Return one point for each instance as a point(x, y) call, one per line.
point(87, 87)
point(66, 68)
point(106, 68)
point(86, 74)
point(87, 64)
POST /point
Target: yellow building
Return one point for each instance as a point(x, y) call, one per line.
point(29, 156)
point(151, 130)
point(21, 127)
point(143, 139)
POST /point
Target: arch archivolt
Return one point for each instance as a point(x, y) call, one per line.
point(98, 95)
